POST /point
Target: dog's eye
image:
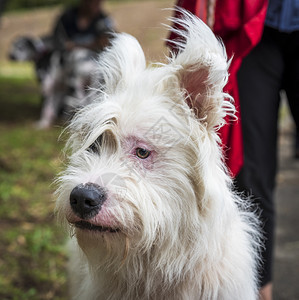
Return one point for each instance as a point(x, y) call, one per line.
point(95, 146)
point(142, 153)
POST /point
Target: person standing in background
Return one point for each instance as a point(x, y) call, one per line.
point(84, 26)
point(80, 34)
point(271, 66)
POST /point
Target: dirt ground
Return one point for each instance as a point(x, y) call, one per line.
point(142, 19)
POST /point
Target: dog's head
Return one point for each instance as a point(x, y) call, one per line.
point(144, 155)
point(23, 49)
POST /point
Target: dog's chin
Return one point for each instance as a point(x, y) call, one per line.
point(87, 226)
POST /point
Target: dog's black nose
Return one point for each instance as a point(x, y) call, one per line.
point(87, 199)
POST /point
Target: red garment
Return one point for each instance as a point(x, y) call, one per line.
point(240, 24)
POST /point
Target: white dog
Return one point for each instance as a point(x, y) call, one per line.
point(146, 191)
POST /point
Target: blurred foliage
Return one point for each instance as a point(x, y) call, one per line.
point(16, 69)
point(33, 257)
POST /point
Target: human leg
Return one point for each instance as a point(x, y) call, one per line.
point(259, 81)
point(291, 79)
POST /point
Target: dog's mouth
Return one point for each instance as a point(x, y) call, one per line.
point(88, 226)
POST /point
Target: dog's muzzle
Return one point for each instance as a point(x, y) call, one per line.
point(87, 199)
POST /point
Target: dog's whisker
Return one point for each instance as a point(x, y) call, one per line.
point(72, 231)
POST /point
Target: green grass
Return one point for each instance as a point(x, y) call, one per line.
point(17, 70)
point(33, 257)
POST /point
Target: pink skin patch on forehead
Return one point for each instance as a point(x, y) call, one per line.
point(132, 146)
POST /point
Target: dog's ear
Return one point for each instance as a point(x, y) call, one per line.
point(119, 63)
point(200, 61)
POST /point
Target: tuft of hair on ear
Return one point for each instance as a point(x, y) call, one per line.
point(118, 63)
point(201, 68)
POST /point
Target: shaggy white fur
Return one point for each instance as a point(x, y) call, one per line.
point(169, 225)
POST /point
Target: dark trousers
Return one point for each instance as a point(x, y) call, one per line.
point(271, 66)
